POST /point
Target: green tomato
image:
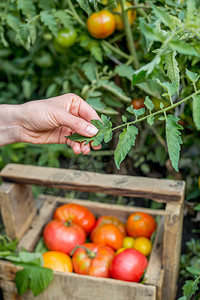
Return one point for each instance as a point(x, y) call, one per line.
point(59, 48)
point(44, 60)
point(66, 37)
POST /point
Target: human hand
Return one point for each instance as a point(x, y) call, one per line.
point(49, 121)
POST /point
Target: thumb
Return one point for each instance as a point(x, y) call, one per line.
point(76, 124)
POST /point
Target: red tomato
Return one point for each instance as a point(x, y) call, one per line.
point(110, 235)
point(101, 24)
point(140, 224)
point(57, 261)
point(128, 265)
point(62, 236)
point(93, 259)
point(76, 213)
point(109, 220)
point(138, 103)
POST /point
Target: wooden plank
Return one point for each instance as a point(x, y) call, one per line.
point(160, 190)
point(17, 208)
point(172, 248)
point(32, 236)
point(72, 286)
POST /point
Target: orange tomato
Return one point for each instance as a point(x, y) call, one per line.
point(143, 245)
point(110, 235)
point(138, 103)
point(140, 224)
point(101, 24)
point(57, 261)
point(118, 17)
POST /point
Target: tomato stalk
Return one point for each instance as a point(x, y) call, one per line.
point(76, 16)
point(129, 35)
point(91, 254)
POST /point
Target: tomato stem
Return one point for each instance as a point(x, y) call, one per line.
point(91, 254)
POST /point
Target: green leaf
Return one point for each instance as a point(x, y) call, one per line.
point(45, 5)
point(89, 70)
point(194, 77)
point(171, 66)
point(136, 112)
point(22, 280)
point(149, 68)
point(114, 89)
point(126, 141)
point(183, 298)
point(48, 20)
point(148, 103)
point(150, 120)
point(183, 48)
point(125, 71)
point(139, 77)
point(174, 140)
point(190, 11)
point(193, 270)
point(85, 6)
point(164, 17)
point(124, 118)
point(63, 17)
point(190, 287)
point(197, 207)
point(27, 7)
point(196, 110)
point(40, 279)
point(96, 51)
point(171, 88)
point(13, 21)
point(149, 32)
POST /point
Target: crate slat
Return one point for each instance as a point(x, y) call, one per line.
point(160, 190)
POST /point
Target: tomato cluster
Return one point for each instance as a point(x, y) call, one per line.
point(113, 249)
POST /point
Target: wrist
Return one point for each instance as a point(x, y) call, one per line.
point(9, 124)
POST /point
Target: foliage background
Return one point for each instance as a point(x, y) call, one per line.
point(100, 71)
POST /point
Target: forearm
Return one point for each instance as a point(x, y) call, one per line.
point(9, 124)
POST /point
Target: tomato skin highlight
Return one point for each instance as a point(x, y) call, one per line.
point(76, 213)
point(57, 261)
point(109, 220)
point(128, 265)
point(59, 237)
point(101, 24)
point(143, 245)
point(110, 235)
point(140, 225)
point(66, 37)
point(97, 266)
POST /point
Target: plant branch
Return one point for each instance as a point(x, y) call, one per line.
point(116, 50)
point(76, 16)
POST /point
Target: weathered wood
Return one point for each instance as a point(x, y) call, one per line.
point(72, 286)
point(32, 236)
point(172, 248)
point(160, 190)
point(17, 208)
point(154, 272)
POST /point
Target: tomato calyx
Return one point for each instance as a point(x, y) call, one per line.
point(137, 217)
point(91, 254)
point(68, 223)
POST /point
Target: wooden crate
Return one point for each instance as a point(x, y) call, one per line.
point(21, 220)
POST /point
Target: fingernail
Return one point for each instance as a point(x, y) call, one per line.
point(91, 130)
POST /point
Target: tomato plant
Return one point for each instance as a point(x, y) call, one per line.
point(57, 261)
point(66, 37)
point(63, 236)
point(101, 24)
point(93, 259)
point(109, 220)
point(129, 265)
point(131, 13)
point(76, 213)
point(110, 235)
point(143, 245)
point(140, 225)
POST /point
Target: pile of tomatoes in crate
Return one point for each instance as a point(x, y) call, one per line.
point(103, 247)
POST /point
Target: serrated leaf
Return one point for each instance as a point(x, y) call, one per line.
point(48, 20)
point(136, 112)
point(174, 140)
point(96, 51)
point(193, 270)
point(150, 120)
point(124, 118)
point(148, 103)
point(196, 110)
point(171, 66)
point(40, 279)
point(150, 66)
point(89, 70)
point(27, 7)
point(85, 6)
point(190, 287)
point(78, 138)
point(194, 77)
point(125, 71)
point(139, 77)
point(126, 141)
point(149, 32)
point(45, 5)
point(171, 88)
point(183, 48)
point(63, 17)
point(22, 280)
point(163, 16)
